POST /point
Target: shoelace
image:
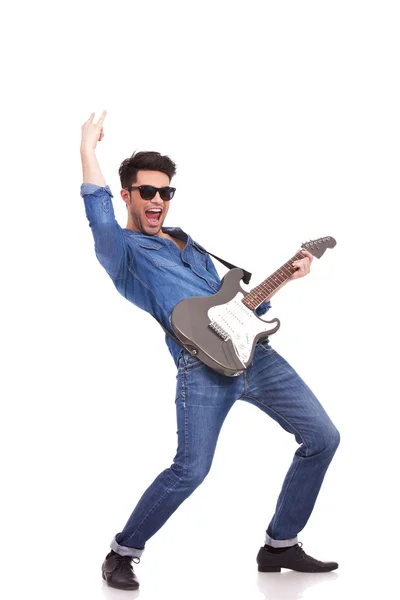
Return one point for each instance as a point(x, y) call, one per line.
point(299, 549)
point(124, 562)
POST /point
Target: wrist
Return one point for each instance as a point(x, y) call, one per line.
point(87, 151)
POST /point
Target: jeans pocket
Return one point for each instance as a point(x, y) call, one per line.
point(191, 363)
point(265, 347)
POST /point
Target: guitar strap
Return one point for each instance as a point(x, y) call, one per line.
point(246, 278)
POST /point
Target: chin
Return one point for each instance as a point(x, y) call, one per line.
point(152, 230)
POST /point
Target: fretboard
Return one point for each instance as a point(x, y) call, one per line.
point(269, 285)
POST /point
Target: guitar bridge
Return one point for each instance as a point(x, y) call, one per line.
point(219, 331)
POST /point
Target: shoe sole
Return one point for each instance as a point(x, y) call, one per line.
point(279, 569)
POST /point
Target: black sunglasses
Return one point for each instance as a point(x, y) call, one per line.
point(147, 192)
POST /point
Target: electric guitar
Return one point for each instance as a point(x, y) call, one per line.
point(223, 329)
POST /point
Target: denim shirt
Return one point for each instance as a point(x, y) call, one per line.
point(148, 270)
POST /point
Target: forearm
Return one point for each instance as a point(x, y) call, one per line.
point(91, 171)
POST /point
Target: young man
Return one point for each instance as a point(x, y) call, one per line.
point(156, 267)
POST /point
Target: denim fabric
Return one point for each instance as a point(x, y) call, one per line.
point(203, 400)
point(150, 271)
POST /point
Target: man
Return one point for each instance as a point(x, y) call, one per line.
point(156, 267)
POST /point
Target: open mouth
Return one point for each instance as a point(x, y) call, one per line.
point(153, 216)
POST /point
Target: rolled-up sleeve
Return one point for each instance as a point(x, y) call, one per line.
point(107, 233)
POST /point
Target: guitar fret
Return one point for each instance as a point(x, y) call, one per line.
point(269, 285)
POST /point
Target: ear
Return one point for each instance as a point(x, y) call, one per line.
point(125, 197)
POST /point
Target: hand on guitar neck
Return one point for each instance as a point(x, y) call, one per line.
point(303, 267)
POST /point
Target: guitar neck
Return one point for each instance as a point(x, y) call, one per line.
point(269, 285)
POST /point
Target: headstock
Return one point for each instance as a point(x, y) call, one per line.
point(318, 247)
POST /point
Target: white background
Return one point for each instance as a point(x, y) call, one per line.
point(283, 119)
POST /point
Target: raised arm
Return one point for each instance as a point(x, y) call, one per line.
point(107, 233)
point(91, 134)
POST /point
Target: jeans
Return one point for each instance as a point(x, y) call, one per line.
point(203, 400)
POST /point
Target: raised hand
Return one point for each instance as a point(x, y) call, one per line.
point(92, 132)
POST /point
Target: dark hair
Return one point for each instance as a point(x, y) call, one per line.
point(144, 161)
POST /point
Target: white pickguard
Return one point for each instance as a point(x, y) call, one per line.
point(239, 323)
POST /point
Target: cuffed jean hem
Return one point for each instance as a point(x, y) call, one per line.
point(280, 543)
point(125, 550)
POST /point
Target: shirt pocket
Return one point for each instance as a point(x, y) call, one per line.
point(159, 254)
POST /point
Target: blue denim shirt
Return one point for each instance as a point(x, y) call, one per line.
point(148, 270)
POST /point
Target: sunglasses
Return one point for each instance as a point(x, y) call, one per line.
point(147, 192)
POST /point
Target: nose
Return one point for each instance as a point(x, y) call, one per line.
point(157, 198)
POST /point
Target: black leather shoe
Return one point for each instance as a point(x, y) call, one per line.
point(118, 571)
point(293, 558)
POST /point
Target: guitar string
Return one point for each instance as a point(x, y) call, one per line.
point(258, 293)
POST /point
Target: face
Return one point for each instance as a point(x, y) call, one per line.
point(138, 219)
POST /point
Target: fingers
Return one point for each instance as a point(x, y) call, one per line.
point(90, 120)
point(99, 122)
point(302, 266)
point(103, 116)
point(308, 254)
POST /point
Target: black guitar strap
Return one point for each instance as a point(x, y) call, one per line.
point(246, 278)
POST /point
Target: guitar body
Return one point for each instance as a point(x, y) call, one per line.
point(219, 329)
point(222, 330)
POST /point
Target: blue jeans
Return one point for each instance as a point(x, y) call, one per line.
point(203, 400)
